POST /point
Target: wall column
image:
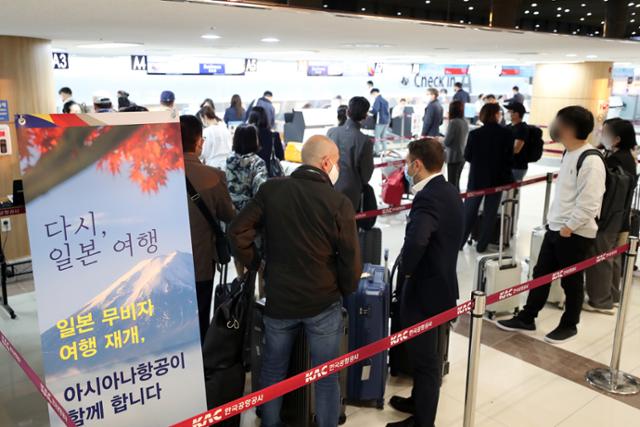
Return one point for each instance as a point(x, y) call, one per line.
point(555, 86)
point(26, 82)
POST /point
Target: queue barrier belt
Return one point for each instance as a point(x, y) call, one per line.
point(465, 195)
point(316, 373)
point(333, 366)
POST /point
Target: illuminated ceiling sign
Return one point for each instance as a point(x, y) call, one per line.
point(516, 71)
point(456, 70)
point(324, 69)
point(195, 66)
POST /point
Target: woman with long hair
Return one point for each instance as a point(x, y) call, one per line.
point(217, 139)
point(269, 141)
point(235, 112)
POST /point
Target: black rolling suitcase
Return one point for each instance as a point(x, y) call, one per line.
point(371, 246)
point(298, 407)
point(399, 362)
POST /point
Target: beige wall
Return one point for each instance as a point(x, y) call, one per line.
point(26, 81)
point(558, 85)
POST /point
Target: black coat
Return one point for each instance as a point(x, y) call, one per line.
point(489, 150)
point(312, 252)
point(430, 251)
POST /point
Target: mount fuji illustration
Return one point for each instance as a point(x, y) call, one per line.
point(168, 280)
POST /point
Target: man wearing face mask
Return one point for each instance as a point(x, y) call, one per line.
point(572, 226)
point(312, 261)
point(428, 261)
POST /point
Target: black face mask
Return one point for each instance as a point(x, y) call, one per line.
point(554, 132)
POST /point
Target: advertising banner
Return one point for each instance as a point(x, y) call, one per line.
point(114, 279)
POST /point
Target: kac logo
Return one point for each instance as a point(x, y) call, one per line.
point(316, 374)
point(507, 293)
point(399, 337)
point(207, 419)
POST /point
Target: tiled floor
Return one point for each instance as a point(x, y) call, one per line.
point(511, 391)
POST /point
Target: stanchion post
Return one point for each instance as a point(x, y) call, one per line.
point(547, 197)
point(473, 365)
point(612, 379)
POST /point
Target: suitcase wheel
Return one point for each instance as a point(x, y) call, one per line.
point(380, 404)
point(516, 311)
point(342, 419)
point(491, 315)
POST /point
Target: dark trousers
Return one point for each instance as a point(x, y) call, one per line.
point(489, 214)
point(427, 368)
point(204, 294)
point(557, 253)
point(454, 170)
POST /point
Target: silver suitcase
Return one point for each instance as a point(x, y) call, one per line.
point(556, 294)
point(497, 272)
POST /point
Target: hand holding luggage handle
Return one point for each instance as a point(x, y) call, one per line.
point(501, 241)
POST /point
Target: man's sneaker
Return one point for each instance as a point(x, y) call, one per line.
point(586, 306)
point(516, 325)
point(561, 335)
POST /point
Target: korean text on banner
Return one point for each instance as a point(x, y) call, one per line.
point(114, 280)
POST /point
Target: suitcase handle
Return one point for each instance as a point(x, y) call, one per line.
point(503, 203)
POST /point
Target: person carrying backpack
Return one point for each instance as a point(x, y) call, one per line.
point(603, 279)
point(572, 226)
point(528, 142)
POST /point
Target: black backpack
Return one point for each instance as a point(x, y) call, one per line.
point(618, 194)
point(535, 145)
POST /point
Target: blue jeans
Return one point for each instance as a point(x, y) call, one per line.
point(380, 141)
point(323, 334)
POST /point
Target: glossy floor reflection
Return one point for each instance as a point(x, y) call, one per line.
point(514, 390)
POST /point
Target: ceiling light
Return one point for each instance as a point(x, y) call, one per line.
point(559, 15)
point(583, 5)
point(325, 6)
point(108, 45)
point(428, 2)
point(399, 13)
point(571, 55)
point(526, 12)
point(567, 10)
point(536, 13)
point(537, 25)
point(364, 9)
point(210, 36)
point(559, 8)
point(589, 13)
point(534, 4)
point(582, 19)
point(470, 7)
point(270, 40)
point(631, 4)
point(592, 56)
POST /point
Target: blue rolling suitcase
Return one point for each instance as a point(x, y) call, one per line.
point(368, 311)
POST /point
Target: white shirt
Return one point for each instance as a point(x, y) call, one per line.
point(217, 145)
point(578, 199)
point(420, 185)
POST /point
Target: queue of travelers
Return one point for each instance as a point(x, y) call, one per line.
point(311, 262)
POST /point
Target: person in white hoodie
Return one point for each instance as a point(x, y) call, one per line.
point(572, 226)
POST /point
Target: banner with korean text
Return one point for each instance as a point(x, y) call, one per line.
point(110, 242)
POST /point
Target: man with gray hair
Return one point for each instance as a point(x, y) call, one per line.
point(312, 261)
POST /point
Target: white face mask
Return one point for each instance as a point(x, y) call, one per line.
point(334, 174)
point(607, 141)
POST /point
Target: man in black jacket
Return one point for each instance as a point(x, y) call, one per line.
point(433, 114)
point(356, 152)
point(312, 260)
point(429, 258)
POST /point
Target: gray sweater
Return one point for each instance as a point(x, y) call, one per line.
point(455, 140)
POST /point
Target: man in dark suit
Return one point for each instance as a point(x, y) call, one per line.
point(433, 114)
point(429, 258)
